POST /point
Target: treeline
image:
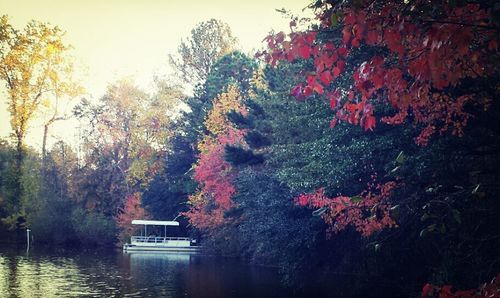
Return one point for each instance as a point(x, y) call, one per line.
point(88, 193)
point(365, 152)
point(76, 195)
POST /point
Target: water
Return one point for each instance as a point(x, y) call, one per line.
point(63, 273)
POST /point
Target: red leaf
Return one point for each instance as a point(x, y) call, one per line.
point(333, 103)
point(333, 123)
point(302, 200)
point(297, 91)
point(367, 85)
point(369, 123)
point(334, 99)
point(355, 43)
point(342, 51)
point(336, 72)
point(326, 77)
point(371, 37)
point(334, 57)
point(446, 292)
point(305, 51)
point(358, 30)
point(311, 80)
point(378, 81)
point(280, 37)
point(427, 290)
point(318, 88)
point(377, 60)
point(349, 19)
point(493, 45)
point(311, 36)
point(352, 107)
point(346, 37)
point(308, 91)
point(341, 65)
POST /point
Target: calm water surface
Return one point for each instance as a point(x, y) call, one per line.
point(63, 273)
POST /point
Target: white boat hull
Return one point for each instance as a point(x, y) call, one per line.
point(156, 248)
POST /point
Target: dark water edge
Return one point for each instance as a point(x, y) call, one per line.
point(101, 272)
point(59, 272)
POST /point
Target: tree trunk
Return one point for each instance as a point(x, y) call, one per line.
point(18, 174)
point(44, 146)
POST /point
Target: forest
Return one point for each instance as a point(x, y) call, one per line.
point(362, 144)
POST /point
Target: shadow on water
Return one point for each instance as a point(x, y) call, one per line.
point(108, 273)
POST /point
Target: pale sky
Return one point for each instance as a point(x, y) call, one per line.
point(117, 38)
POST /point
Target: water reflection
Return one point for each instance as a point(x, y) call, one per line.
point(113, 274)
point(20, 277)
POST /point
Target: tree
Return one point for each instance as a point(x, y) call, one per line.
point(61, 173)
point(125, 145)
point(52, 108)
point(214, 174)
point(34, 68)
point(429, 62)
point(234, 68)
point(209, 41)
point(166, 195)
point(50, 216)
point(367, 59)
point(131, 210)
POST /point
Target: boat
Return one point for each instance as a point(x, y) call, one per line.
point(153, 243)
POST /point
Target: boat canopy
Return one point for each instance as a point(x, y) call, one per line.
point(155, 222)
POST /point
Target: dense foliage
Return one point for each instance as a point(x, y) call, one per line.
point(262, 162)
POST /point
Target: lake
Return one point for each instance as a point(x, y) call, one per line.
point(105, 273)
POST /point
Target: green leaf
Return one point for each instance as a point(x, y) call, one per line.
point(356, 199)
point(334, 19)
point(401, 158)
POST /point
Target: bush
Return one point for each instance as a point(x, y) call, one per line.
point(93, 228)
point(52, 223)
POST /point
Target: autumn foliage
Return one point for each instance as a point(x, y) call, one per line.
point(416, 56)
point(131, 210)
point(367, 213)
point(490, 289)
point(214, 174)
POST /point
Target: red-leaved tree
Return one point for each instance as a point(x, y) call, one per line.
point(489, 289)
point(214, 174)
point(418, 57)
point(131, 210)
point(368, 212)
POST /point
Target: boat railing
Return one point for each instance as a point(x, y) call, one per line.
point(153, 239)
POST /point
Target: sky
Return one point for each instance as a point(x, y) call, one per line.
point(112, 39)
